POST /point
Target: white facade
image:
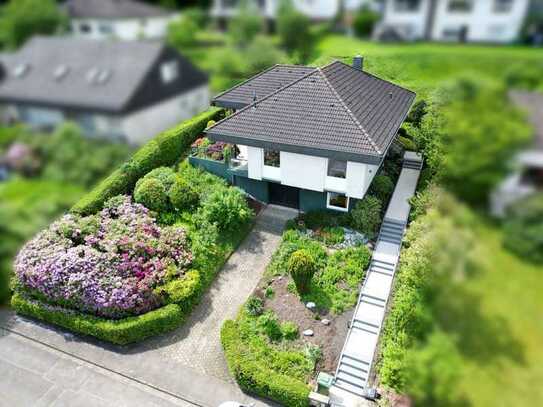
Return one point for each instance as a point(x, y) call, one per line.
point(144, 124)
point(497, 21)
point(314, 9)
point(136, 127)
point(128, 29)
point(311, 173)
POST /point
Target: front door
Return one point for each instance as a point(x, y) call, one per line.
point(284, 195)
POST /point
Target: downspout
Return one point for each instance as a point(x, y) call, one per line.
point(430, 20)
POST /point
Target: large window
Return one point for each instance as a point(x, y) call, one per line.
point(503, 6)
point(337, 168)
point(407, 5)
point(338, 202)
point(462, 6)
point(272, 158)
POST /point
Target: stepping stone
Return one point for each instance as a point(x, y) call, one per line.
point(308, 332)
point(325, 321)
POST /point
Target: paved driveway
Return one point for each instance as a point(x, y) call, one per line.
point(185, 367)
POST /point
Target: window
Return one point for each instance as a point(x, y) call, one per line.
point(272, 158)
point(337, 168)
point(462, 6)
point(407, 5)
point(503, 6)
point(105, 28)
point(338, 202)
point(85, 28)
point(169, 71)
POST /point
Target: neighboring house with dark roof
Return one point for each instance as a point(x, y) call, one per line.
point(311, 138)
point(527, 177)
point(130, 90)
point(121, 19)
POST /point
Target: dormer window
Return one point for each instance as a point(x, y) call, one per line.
point(60, 72)
point(21, 70)
point(169, 71)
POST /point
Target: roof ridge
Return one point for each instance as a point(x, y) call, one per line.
point(264, 98)
point(351, 115)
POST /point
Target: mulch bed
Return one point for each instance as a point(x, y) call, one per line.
point(289, 307)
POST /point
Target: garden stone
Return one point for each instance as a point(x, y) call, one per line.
point(308, 332)
point(325, 321)
point(311, 306)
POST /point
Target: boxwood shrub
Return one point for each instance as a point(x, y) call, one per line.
point(120, 332)
point(254, 376)
point(164, 150)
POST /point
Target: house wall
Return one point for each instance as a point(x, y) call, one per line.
point(310, 173)
point(314, 9)
point(124, 29)
point(146, 123)
point(410, 23)
point(483, 23)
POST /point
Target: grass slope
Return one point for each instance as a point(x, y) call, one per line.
point(509, 291)
point(421, 66)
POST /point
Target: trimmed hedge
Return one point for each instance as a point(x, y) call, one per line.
point(164, 150)
point(254, 377)
point(120, 332)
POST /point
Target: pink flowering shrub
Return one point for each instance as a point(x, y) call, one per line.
point(106, 264)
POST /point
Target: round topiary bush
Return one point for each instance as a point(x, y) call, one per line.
point(301, 266)
point(182, 195)
point(165, 175)
point(151, 193)
point(524, 229)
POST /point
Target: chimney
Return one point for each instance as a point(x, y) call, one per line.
point(358, 62)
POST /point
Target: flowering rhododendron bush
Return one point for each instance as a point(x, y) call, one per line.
point(106, 264)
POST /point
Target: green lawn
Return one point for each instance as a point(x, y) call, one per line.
point(503, 353)
point(421, 67)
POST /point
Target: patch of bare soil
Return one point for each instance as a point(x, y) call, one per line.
point(289, 307)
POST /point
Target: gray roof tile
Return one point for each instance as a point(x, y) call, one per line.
point(335, 108)
point(262, 85)
point(113, 9)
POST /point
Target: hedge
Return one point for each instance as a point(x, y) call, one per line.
point(164, 150)
point(120, 332)
point(254, 377)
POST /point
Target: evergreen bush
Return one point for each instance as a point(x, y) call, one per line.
point(301, 266)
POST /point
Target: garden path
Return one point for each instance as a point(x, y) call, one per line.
point(184, 367)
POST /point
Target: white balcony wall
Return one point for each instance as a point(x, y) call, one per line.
point(359, 177)
point(336, 184)
point(271, 173)
point(303, 171)
point(255, 156)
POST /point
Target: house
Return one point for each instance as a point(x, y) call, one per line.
point(310, 138)
point(493, 21)
point(527, 177)
point(316, 10)
point(121, 19)
point(127, 90)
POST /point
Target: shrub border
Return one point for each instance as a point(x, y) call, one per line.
point(120, 332)
point(165, 149)
point(254, 378)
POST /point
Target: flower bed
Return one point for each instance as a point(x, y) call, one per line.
point(138, 266)
point(282, 337)
point(218, 151)
point(107, 265)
